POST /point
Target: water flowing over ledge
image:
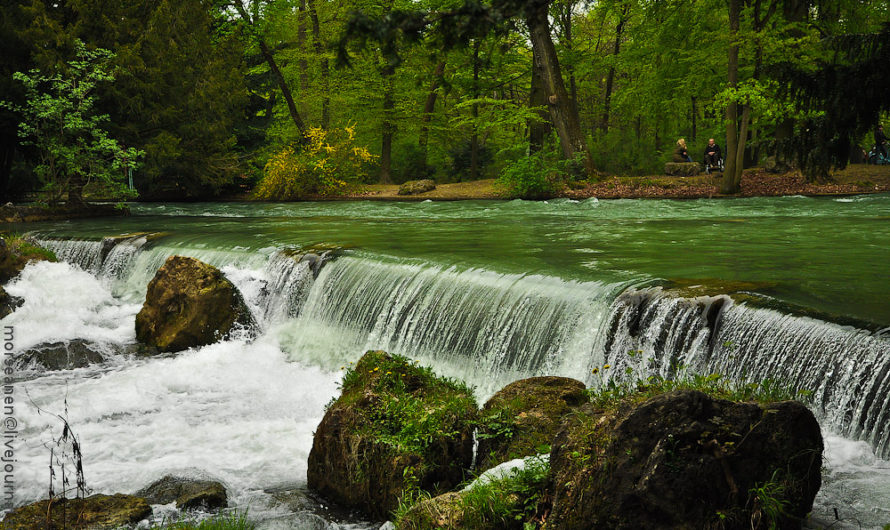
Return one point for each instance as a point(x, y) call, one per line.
point(491, 328)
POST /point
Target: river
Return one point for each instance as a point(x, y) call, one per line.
point(487, 291)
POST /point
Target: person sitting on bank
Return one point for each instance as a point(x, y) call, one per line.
point(881, 140)
point(712, 154)
point(680, 153)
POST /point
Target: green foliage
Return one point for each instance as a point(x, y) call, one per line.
point(620, 152)
point(538, 175)
point(414, 406)
point(228, 521)
point(504, 502)
point(769, 503)
point(328, 164)
point(61, 121)
point(512, 498)
point(20, 246)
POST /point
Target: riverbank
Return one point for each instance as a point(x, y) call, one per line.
point(854, 180)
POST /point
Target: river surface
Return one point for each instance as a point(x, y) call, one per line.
point(483, 290)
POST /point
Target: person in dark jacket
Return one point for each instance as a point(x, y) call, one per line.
point(680, 152)
point(881, 140)
point(712, 153)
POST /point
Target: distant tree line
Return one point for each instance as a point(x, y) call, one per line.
point(214, 91)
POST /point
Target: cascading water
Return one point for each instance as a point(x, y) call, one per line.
point(244, 412)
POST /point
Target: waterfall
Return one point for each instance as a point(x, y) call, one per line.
point(847, 370)
point(483, 326)
point(490, 328)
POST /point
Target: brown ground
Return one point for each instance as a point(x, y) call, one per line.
point(855, 179)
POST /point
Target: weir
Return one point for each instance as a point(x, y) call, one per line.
point(489, 327)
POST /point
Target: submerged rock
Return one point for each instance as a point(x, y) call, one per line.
point(95, 512)
point(8, 303)
point(187, 493)
point(413, 187)
point(189, 303)
point(395, 427)
point(64, 355)
point(525, 416)
point(685, 460)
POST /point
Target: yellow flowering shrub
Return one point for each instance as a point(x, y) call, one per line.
point(329, 163)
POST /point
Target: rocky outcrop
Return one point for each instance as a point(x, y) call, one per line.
point(187, 493)
point(413, 187)
point(395, 427)
point(685, 460)
point(523, 418)
point(8, 303)
point(682, 169)
point(15, 253)
point(95, 512)
point(189, 303)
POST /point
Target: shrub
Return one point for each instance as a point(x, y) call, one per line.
point(328, 164)
point(538, 175)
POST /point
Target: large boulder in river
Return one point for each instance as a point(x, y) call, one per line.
point(522, 418)
point(189, 303)
point(395, 427)
point(685, 460)
point(94, 512)
point(187, 493)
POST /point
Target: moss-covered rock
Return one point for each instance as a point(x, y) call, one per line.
point(685, 460)
point(95, 512)
point(413, 187)
point(395, 427)
point(187, 493)
point(189, 303)
point(525, 416)
point(682, 169)
point(15, 253)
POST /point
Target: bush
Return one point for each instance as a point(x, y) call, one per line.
point(538, 175)
point(328, 164)
point(409, 164)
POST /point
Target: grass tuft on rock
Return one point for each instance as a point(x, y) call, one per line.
point(414, 406)
point(235, 520)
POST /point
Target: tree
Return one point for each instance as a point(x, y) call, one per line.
point(474, 20)
point(60, 120)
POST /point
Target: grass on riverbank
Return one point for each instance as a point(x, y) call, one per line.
point(855, 179)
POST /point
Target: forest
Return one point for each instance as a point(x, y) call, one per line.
point(296, 98)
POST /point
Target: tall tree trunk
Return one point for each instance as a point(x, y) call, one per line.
point(301, 45)
point(429, 107)
point(276, 72)
point(735, 135)
point(794, 11)
point(474, 142)
point(75, 190)
point(538, 130)
point(387, 126)
point(320, 52)
point(610, 77)
point(562, 112)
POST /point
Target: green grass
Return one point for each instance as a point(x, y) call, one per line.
point(228, 521)
point(413, 406)
point(507, 502)
point(615, 390)
point(18, 245)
